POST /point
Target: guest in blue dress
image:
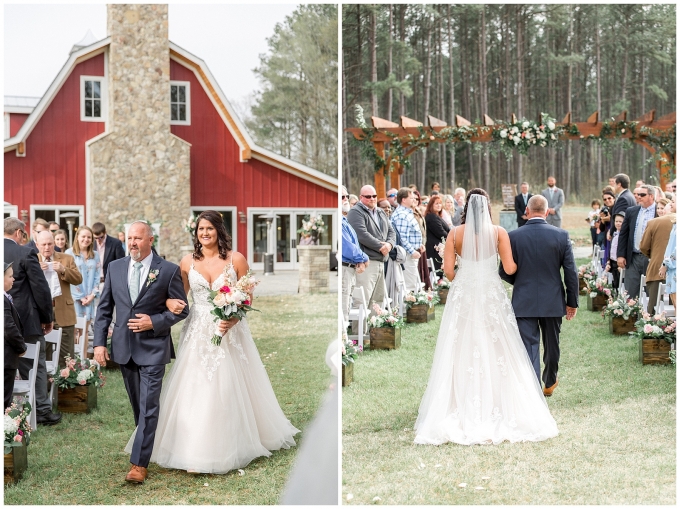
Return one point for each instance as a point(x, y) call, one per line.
point(89, 265)
point(669, 261)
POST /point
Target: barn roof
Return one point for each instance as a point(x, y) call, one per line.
point(20, 104)
point(249, 149)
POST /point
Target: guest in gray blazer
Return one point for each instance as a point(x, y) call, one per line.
point(555, 197)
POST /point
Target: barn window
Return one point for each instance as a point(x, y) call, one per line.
point(92, 99)
point(180, 105)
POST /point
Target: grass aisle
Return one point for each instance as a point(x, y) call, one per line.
point(81, 460)
point(616, 420)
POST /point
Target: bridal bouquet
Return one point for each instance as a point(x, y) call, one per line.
point(79, 372)
point(622, 306)
point(386, 318)
point(17, 428)
point(232, 302)
point(421, 297)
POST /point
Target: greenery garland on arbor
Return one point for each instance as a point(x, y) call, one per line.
point(520, 135)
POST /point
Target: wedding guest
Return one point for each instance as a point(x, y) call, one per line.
point(54, 228)
point(353, 200)
point(612, 182)
point(354, 260)
point(121, 237)
point(459, 203)
point(88, 263)
point(392, 198)
point(62, 267)
point(608, 199)
point(32, 298)
point(405, 223)
point(437, 231)
point(628, 252)
point(424, 200)
point(39, 225)
point(593, 220)
point(658, 194)
point(435, 189)
point(624, 198)
point(661, 206)
point(386, 207)
point(653, 246)
point(376, 238)
point(521, 201)
point(555, 197)
point(418, 213)
point(611, 265)
point(667, 270)
point(639, 183)
point(61, 240)
point(109, 249)
point(449, 210)
point(15, 346)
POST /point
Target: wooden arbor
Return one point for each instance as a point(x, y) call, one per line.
point(656, 135)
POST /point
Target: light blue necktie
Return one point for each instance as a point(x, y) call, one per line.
point(134, 282)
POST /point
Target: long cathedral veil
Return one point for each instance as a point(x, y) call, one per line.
point(480, 238)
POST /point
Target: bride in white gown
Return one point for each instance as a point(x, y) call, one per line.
point(218, 411)
point(482, 388)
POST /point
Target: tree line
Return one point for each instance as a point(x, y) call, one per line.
point(471, 60)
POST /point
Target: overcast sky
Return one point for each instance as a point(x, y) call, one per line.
point(228, 38)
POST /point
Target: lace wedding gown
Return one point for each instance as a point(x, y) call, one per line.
point(218, 411)
point(482, 387)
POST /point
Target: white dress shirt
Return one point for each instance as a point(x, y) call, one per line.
point(146, 265)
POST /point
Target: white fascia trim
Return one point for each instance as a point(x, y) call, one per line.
point(55, 86)
point(267, 156)
point(19, 109)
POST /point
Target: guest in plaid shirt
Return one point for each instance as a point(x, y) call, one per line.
point(411, 238)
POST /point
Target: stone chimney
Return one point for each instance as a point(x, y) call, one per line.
point(139, 170)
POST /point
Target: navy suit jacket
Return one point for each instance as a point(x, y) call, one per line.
point(520, 207)
point(14, 336)
point(625, 201)
point(113, 250)
point(31, 293)
point(147, 348)
point(540, 251)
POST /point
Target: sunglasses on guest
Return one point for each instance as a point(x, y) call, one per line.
point(369, 196)
point(345, 197)
point(641, 195)
point(392, 195)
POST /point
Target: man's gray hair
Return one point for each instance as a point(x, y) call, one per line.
point(149, 230)
point(650, 190)
point(12, 224)
point(459, 190)
point(538, 204)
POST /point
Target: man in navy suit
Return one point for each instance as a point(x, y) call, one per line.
point(624, 200)
point(538, 297)
point(521, 201)
point(628, 255)
point(138, 286)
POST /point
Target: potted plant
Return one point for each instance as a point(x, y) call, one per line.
point(420, 306)
point(77, 384)
point(350, 351)
point(622, 313)
point(17, 438)
point(385, 328)
point(312, 225)
point(598, 291)
point(585, 274)
point(656, 335)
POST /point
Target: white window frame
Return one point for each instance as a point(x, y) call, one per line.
point(187, 96)
point(57, 212)
point(7, 133)
point(234, 220)
point(12, 210)
point(103, 93)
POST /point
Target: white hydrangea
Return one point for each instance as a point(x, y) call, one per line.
point(10, 425)
point(525, 124)
point(551, 125)
point(84, 375)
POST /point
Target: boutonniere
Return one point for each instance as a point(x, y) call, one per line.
point(153, 275)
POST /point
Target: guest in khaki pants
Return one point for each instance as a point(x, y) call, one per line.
point(653, 246)
point(64, 311)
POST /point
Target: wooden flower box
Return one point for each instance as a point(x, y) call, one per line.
point(581, 284)
point(597, 303)
point(420, 313)
point(347, 374)
point(620, 326)
point(654, 351)
point(385, 338)
point(79, 400)
point(443, 294)
point(16, 463)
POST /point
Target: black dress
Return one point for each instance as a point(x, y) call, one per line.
point(436, 230)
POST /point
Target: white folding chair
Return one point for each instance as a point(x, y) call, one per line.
point(401, 290)
point(433, 272)
point(52, 364)
point(644, 298)
point(387, 300)
point(78, 341)
point(26, 388)
point(358, 312)
point(601, 262)
point(663, 304)
point(622, 276)
point(595, 257)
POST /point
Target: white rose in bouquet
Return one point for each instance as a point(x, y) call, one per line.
point(10, 425)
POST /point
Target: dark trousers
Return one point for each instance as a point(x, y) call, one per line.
point(652, 293)
point(9, 385)
point(143, 385)
point(531, 329)
point(636, 269)
point(43, 404)
point(67, 346)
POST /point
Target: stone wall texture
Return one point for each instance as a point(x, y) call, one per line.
point(139, 170)
point(314, 269)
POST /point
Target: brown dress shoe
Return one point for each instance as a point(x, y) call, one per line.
point(136, 474)
point(547, 391)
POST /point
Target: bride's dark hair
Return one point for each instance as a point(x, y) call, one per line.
point(223, 238)
point(476, 190)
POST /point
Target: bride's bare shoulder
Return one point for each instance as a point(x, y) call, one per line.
point(186, 260)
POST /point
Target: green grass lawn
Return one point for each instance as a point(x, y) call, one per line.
point(81, 460)
point(616, 420)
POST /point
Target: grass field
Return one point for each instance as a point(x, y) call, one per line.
point(617, 423)
point(81, 460)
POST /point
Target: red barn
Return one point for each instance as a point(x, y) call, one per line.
point(47, 170)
